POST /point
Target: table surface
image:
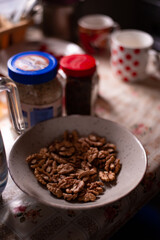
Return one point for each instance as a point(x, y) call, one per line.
point(137, 107)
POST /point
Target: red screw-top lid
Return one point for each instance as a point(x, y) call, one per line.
point(78, 65)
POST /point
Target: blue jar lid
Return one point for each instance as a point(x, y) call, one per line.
point(32, 67)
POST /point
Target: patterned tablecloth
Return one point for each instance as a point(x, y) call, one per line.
point(137, 107)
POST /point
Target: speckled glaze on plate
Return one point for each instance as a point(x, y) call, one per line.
point(130, 152)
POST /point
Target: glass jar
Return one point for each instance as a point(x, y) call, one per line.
point(35, 74)
point(81, 87)
point(59, 18)
point(3, 166)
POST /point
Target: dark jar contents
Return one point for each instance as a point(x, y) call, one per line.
point(81, 83)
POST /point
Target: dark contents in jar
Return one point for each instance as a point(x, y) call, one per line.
point(78, 95)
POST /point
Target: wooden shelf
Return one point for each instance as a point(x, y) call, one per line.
point(11, 33)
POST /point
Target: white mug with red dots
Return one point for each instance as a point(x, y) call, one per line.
point(130, 50)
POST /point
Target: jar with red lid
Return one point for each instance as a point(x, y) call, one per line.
point(81, 88)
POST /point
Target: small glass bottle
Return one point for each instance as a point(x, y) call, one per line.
point(81, 83)
point(3, 167)
point(35, 74)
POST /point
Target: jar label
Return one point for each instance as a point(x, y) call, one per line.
point(33, 114)
point(31, 62)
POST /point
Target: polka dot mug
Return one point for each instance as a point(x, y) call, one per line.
point(130, 51)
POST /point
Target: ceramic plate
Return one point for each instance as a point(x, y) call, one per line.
point(130, 152)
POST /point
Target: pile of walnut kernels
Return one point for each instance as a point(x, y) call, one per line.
point(74, 167)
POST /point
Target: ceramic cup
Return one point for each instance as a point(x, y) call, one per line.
point(130, 52)
point(94, 31)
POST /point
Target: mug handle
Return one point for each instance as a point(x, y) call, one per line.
point(10, 87)
point(154, 62)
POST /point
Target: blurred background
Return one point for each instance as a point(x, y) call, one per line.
point(59, 17)
point(139, 14)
